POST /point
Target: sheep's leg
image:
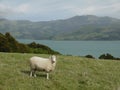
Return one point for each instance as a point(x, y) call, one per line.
point(47, 75)
point(34, 73)
point(31, 73)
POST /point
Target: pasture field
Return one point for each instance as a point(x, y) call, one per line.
point(71, 73)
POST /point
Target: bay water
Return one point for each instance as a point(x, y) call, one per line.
point(81, 48)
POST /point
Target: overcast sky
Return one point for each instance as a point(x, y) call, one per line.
point(45, 10)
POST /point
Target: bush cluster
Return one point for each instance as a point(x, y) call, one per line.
point(106, 56)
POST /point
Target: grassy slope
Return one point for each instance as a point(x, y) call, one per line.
point(72, 73)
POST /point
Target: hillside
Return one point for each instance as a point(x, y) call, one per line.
point(9, 44)
point(72, 73)
point(87, 27)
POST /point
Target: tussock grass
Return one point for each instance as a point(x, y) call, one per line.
point(72, 73)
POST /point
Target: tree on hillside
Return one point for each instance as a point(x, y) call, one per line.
point(9, 44)
point(4, 45)
point(12, 42)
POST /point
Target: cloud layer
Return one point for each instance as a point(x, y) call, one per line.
point(56, 9)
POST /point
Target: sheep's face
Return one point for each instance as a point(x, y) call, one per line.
point(53, 58)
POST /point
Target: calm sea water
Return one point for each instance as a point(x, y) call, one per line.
point(81, 48)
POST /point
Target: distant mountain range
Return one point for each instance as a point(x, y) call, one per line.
point(87, 27)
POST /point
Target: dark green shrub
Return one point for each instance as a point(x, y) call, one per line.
point(39, 48)
point(108, 56)
point(89, 56)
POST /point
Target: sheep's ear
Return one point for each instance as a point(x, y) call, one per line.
point(55, 56)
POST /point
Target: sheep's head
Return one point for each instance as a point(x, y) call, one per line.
point(53, 58)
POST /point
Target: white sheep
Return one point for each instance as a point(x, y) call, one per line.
point(42, 64)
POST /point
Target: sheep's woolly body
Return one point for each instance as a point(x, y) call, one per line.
point(42, 64)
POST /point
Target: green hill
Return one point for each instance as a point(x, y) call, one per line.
point(71, 73)
point(86, 27)
point(92, 32)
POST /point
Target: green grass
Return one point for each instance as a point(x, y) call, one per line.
point(71, 73)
